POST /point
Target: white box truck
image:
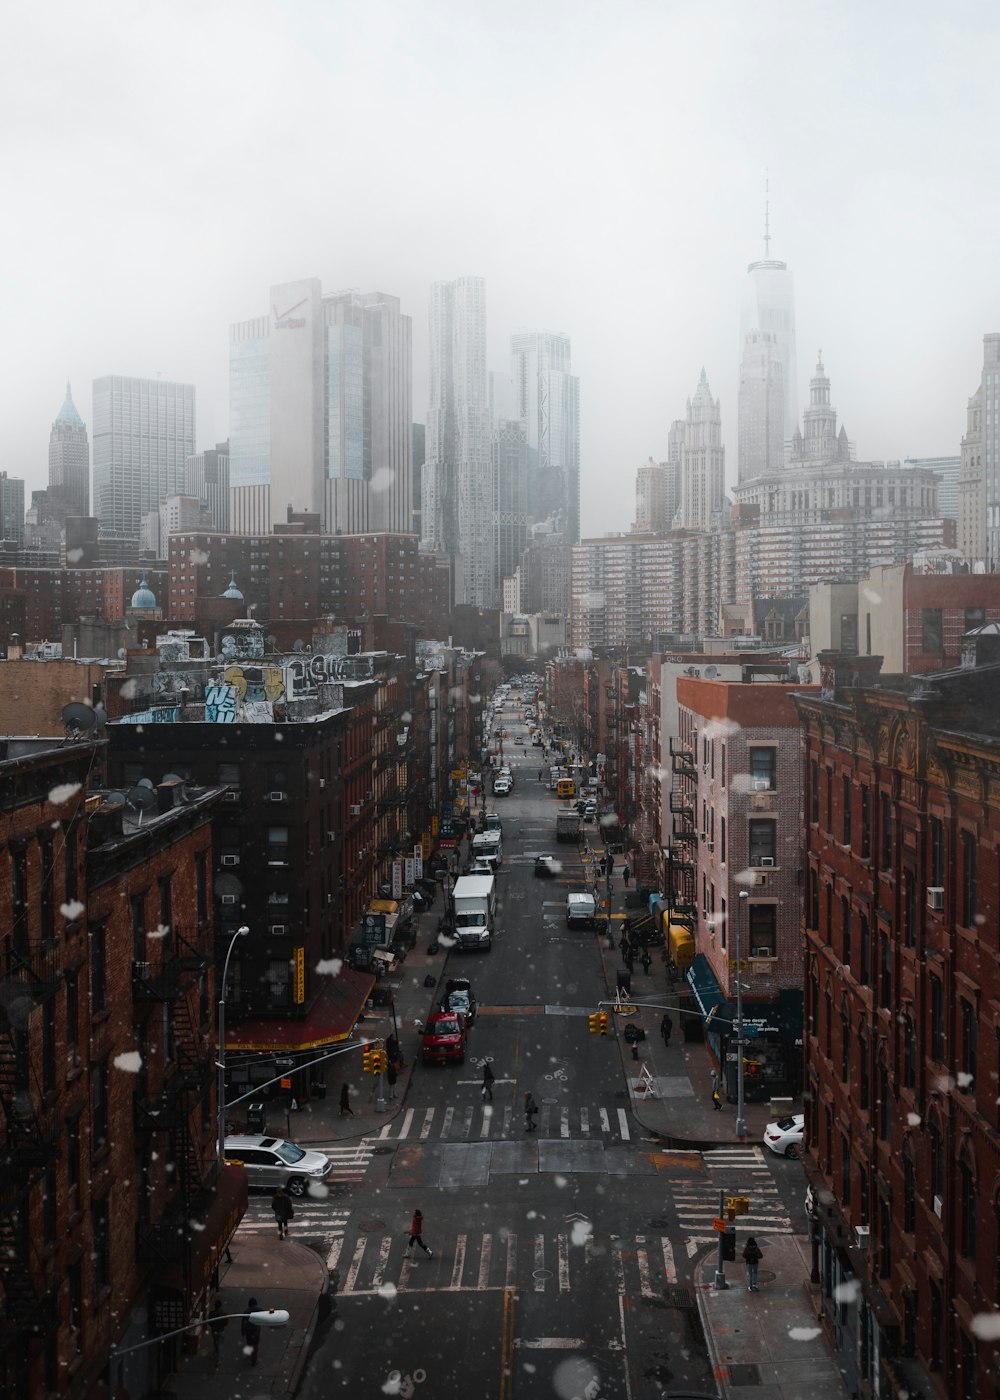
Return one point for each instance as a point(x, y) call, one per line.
point(474, 905)
point(487, 847)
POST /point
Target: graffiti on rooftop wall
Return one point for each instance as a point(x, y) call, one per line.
point(220, 704)
point(256, 683)
point(245, 643)
point(305, 674)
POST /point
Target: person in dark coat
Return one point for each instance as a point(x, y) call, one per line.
point(626, 876)
point(716, 1101)
point(487, 1083)
point(283, 1210)
point(345, 1101)
point(251, 1332)
point(391, 1076)
point(666, 1026)
point(217, 1324)
point(751, 1258)
point(646, 961)
point(530, 1113)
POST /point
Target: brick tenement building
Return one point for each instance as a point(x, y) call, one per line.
point(737, 807)
point(57, 596)
point(902, 1045)
point(107, 1173)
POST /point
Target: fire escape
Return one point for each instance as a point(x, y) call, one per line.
point(684, 843)
point(29, 1147)
point(172, 987)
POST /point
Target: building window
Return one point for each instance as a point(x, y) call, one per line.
point(932, 629)
point(139, 928)
point(763, 767)
point(866, 822)
point(937, 1164)
point(762, 841)
point(937, 852)
point(885, 969)
point(279, 982)
point(277, 845)
point(19, 898)
point(884, 1102)
point(864, 1091)
point(813, 899)
point(967, 1079)
point(909, 1053)
point(201, 885)
point(98, 1106)
point(828, 1029)
point(101, 1277)
point(814, 793)
point(937, 1019)
point(845, 930)
point(909, 1192)
point(45, 902)
point(165, 904)
point(864, 946)
point(722, 838)
point(845, 1044)
point(72, 1018)
point(909, 909)
point(74, 1296)
point(884, 1237)
point(974, 617)
point(937, 1326)
point(864, 1196)
point(69, 863)
point(968, 1223)
point(970, 878)
point(885, 831)
point(763, 930)
point(98, 969)
point(845, 802)
point(970, 1369)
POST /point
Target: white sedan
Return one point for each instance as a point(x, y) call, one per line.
point(785, 1136)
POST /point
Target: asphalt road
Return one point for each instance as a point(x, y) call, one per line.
point(560, 1266)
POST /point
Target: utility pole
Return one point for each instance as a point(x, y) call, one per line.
point(741, 1122)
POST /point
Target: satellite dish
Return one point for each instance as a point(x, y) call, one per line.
point(113, 802)
point(140, 801)
point(298, 645)
point(711, 672)
point(78, 718)
point(172, 778)
point(146, 783)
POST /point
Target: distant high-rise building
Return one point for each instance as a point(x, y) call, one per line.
point(947, 469)
point(768, 399)
point(548, 402)
point(979, 473)
point(144, 432)
point(651, 499)
point(69, 464)
point(703, 462)
point(320, 411)
point(510, 471)
point(419, 453)
point(11, 508)
point(458, 494)
point(208, 478)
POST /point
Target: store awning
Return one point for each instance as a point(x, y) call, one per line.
point(330, 1019)
point(705, 985)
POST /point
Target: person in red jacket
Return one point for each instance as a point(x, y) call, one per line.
point(416, 1232)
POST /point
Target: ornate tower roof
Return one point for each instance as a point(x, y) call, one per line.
point(232, 591)
point(68, 417)
point(144, 597)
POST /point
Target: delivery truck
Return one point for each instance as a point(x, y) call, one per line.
point(474, 908)
point(568, 824)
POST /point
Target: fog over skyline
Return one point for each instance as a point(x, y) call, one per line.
point(602, 167)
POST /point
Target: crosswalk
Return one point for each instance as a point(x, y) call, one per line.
point(733, 1171)
point(317, 1218)
point(482, 1122)
point(495, 1260)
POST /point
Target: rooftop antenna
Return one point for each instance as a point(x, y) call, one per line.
point(767, 217)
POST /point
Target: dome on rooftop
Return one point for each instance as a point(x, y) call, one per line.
point(144, 597)
point(232, 591)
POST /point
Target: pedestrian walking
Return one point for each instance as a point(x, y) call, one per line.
point(629, 958)
point(646, 961)
point(530, 1113)
point(345, 1101)
point(609, 865)
point(623, 945)
point(283, 1210)
point(391, 1076)
point(487, 1083)
point(251, 1333)
point(392, 1051)
point(666, 1026)
point(715, 1081)
point(751, 1258)
point(626, 876)
point(416, 1232)
point(540, 774)
point(217, 1324)
point(716, 1101)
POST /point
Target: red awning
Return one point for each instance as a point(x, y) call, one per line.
point(330, 1019)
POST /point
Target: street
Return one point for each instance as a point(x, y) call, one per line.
point(562, 1259)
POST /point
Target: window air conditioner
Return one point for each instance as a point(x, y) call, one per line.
point(711, 846)
point(277, 928)
point(230, 860)
point(322, 784)
point(230, 898)
point(356, 810)
point(277, 797)
point(767, 861)
point(232, 795)
point(763, 953)
point(935, 896)
point(141, 970)
point(331, 836)
point(761, 785)
point(757, 879)
point(862, 1234)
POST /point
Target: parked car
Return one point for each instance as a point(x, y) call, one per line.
point(547, 865)
point(785, 1136)
point(270, 1162)
point(444, 1039)
point(501, 787)
point(460, 998)
point(589, 809)
point(493, 822)
point(581, 908)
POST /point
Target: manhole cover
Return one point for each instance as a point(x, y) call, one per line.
point(659, 1225)
point(368, 1226)
point(743, 1373)
point(382, 1151)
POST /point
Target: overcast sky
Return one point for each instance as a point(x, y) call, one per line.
point(601, 165)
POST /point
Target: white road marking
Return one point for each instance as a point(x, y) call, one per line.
point(333, 1258)
point(355, 1269)
point(407, 1120)
point(425, 1129)
point(551, 1343)
point(585, 1121)
point(605, 1121)
point(642, 1263)
point(669, 1267)
point(511, 1271)
point(564, 1123)
point(623, 1125)
point(383, 1259)
point(459, 1264)
point(485, 1257)
point(563, 1242)
point(539, 1263)
point(618, 1264)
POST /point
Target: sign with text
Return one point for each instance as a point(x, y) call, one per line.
point(300, 976)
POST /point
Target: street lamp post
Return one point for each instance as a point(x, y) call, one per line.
point(741, 1125)
point(221, 1061)
point(261, 1317)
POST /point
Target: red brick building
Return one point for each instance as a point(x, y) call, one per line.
point(57, 596)
point(112, 1208)
point(902, 1046)
point(737, 807)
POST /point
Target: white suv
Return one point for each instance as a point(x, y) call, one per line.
point(271, 1162)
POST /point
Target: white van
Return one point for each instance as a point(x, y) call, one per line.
point(487, 847)
point(581, 908)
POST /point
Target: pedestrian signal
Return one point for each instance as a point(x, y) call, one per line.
point(368, 1060)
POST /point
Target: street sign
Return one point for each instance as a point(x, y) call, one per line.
point(283, 1062)
point(719, 1225)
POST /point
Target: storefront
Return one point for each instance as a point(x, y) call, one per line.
point(772, 1037)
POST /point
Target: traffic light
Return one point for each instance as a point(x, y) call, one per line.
point(368, 1060)
point(603, 1018)
point(380, 1059)
point(594, 1023)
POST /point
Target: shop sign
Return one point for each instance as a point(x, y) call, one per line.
point(409, 870)
point(300, 976)
point(418, 859)
point(397, 879)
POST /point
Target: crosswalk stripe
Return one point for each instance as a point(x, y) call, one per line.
point(623, 1125)
point(484, 1122)
point(618, 1263)
point(563, 1244)
point(669, 1267)
point(425, 1127)
point(564, 1123)
point(382, 1262)
point(585, 1121)
point(511, 1272)
point(459, 1264)
point(355, 1268)
point(485, 1256)
point(333, 1256)
point(605, 1121)
point(642, 1260)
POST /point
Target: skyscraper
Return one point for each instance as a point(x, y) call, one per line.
point(320, 411)
point(69, 464)
point(979, 474)
point(458, 496)
point(768, 399)
point(548, 402)
point(208, 478)
point(11, 508)
point(144, 432)
point(703, 462)
point(510, 472)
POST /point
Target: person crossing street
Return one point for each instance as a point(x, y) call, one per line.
point(416, 1233)
point(487, 1083)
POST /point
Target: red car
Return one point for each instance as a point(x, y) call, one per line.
point(444, 1038)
